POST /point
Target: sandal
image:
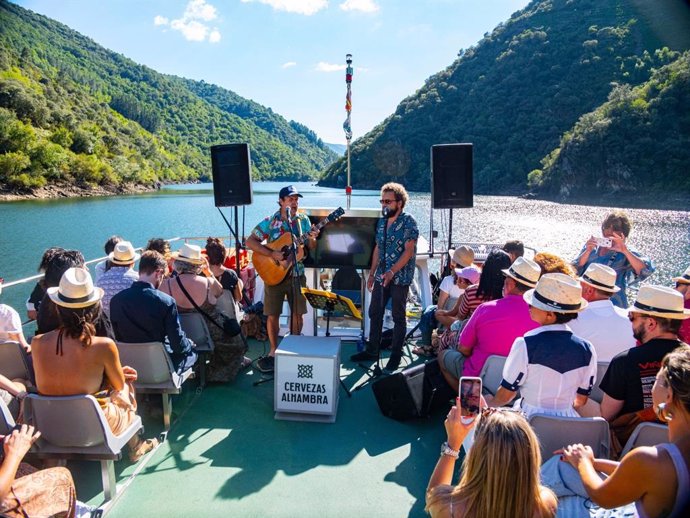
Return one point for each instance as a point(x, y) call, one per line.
point(246, 362)
point(423, 350)
point(142, 449)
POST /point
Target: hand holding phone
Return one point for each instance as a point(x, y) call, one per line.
point(470, 391)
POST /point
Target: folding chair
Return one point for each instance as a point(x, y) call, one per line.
point(492, 374)
point(7, 422)
point(13, 361)
point(646, 434)
point(194, 326)
point(74, 427)
point(155, 372)
point(597, 394)
point(555, 432)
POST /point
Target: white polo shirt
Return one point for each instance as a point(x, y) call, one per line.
point(10, 322)
point(606, 327)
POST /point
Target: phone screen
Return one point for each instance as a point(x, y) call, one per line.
point(470, 395)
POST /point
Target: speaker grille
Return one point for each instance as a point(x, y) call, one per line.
point(232, 183)
point(451, 176)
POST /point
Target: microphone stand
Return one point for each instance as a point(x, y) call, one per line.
point(295, 275)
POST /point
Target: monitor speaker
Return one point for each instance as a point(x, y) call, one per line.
point(232, 179)
point(414, 392)
point(451, 176)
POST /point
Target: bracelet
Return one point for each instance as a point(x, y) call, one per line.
point(448, 451)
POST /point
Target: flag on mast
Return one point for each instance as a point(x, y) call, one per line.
point(348, 98)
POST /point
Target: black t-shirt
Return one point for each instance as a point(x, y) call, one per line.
point(631, 374)
point(228, 279)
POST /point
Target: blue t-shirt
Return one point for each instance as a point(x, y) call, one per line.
point(272, 227)
point(403, 229)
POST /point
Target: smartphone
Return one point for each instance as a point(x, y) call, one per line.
point(604, 242)
point(470, 395)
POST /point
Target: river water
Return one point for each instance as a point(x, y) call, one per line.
point(29, 227)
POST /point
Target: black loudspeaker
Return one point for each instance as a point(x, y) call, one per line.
point(232, 179)
point(451, 176)
point(414, 392)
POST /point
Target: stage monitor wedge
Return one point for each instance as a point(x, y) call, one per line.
point(451, 176)
point(232, 178)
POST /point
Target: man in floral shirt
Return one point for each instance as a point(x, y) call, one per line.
point(391, 273)
point(270, 229)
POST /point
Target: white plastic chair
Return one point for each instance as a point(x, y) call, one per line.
point(155, 372)
point(492, 374)
point(555, 432)
point(646, 434)
point(74, 427)
point(597, 394)
point(195, 327)
point(13, 361)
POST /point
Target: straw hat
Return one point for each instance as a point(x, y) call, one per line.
point(123, 254)
point(660, 301)
point(557, 292)
point(76, 290)
point(685, 278)
point(471, 273)
point(189, 254)
point(462, 255)
point(601, 277)
point(525, 271)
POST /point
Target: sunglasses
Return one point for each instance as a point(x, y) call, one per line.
point(387, 202)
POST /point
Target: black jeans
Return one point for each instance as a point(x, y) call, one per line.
point(379, 299)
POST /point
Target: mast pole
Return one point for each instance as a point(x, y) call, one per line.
point(346, 125)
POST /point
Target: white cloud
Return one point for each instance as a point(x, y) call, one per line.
point(192, 23)
point(365, 6)
point(306, 7)
point(328, 67)
point(289, 64)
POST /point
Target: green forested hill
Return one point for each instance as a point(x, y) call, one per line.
point(638, 141)
point(519, 90)
point(74, 112)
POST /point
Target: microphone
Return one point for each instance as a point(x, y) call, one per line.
point(385, 212)
point(288, 213)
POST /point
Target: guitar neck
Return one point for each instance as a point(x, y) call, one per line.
point(304, 237)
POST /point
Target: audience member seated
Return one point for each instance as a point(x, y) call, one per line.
point(494, 326)
point(490, 287)
point(553, 369)
point(500, 475)
point(141, 313)
point(26, 491)
point(449, 293)
point(120, 275)
point(39, 291)
point(683, 287)
point(72, 360)
point(12, 392)
point(656, 316)
point(47, 318)
point(552, 263)
point(514, 249)
point(655, 478)
point(601, 323)
point(105, 265)
point(11, 325)
point(192, 273)
point(627, 262)
point(228, 355)
point(161, 246)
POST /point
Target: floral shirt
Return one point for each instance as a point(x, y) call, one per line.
point(272, 227)
point(624, 270)
point(113, 281)
point(403, 229)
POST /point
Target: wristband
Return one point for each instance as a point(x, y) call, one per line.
point(448, 451)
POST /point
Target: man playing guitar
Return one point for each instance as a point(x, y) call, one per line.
point(271, 229)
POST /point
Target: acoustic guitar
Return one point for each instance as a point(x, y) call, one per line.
point(273, 272)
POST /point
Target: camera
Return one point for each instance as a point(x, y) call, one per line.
point(604, 242)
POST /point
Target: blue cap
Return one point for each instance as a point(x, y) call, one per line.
point(290, 190)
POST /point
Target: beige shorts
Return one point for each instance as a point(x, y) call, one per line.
point(275, 295)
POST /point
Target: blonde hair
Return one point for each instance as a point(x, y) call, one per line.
point(397, 189)
point(501, 472)
point(552, 263)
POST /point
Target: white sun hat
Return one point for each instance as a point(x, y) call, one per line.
point(189, 254)
point(601, 277)
point(557, 292)
point(660, 301)
point(685, 278)
point(525, 271)
point(76, 290)
point(123, 254)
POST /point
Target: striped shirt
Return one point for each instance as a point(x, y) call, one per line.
point(469, 301)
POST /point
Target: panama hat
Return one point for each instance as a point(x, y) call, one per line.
point(685, 278)
point(557, 292)
point(525, 271)
point(601, 277)
point(123, 254)
point(471, 273)
point(660, 301)
point(189, 254)
point(76, 290)
point(462, 255)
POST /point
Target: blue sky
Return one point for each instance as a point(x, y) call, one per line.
point(290, 54)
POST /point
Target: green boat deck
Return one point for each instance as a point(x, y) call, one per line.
point(226, 455)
